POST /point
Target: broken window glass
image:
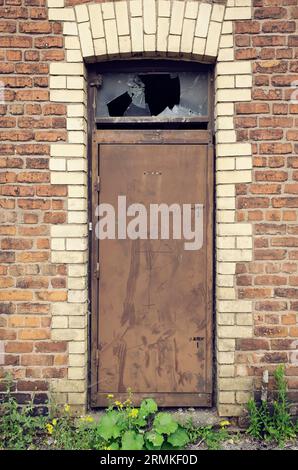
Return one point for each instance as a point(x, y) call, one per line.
point(183, 94)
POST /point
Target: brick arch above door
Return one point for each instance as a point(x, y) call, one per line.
point(152, 28)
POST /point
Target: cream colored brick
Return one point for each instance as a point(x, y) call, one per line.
point(77, 322)
point(124, 44)
point(122, 19)
point(76, 244)
point(227, 345)
point(243, 397)
point(77, 217)
point(111, 37)
point(76, 373)
point(243, 81)
point(68, 178)
point(77, 204)
point(226, 55)
point(239, 13)
point(76, 124)
point(243, 3)
point(230, 410)
point(227, 27)
point(77, 270)
point(199, 45)
point(136, 8)
point(217, 12)
point(64, 96)
point(64, 385)
point(224, 280)
point(68, 257)
point(58, 82)
point(237, 306)
point(225, 81)
point(67, 334)
point(226, 40)
point(191, 10)
point(150, 43)
point(82, 13)
point(149, 16)
point(72, 43)
point(66, 68)
point(225, 318)
point(79, 164)
point(203, 20)
point(226, 370)
point(55, 3)
point(227, 397)
point(236, 67)
point(74, 55)
point(77, 347)
point(244, 163)
point(164, 8)
point(244, 242)
point(187, 35)
point(100, 47)
point(177, 17)
point(224, 216)
point(58, 244)
point(57, 164)
point(67, 150)
point(225, 163)
point(226, 190)
point(108, 11)
point(235, 331)
point(60, 308)
point(237, 384)
point(75, 83)
point(227, 177)
point(244, 319)
point(226, 203)
point(226, 293)
point(60, 322)
point(224, 109)
point(77, 283)
point(70, 28)
point(96, 21)
point(234, 255)
point(77, 296)
point(162, 34)
point(77, 137)
point(77, 399)
point(137, 37)
point(86, 39)
point(235, 95)
point(242, 148)
point(174, 44)
point(224, 122)
point(61, 14)
point(67, 230)
point(226, 136)
point(226, 357)
point(212, 42)
point(77, 191)
point(77, 360)
point(226, 242)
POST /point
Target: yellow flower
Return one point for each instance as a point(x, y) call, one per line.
point(119, 404)
point(54, 422)
point(133, 413)
point(67, 408)
point(50, 428)
point(110, 395)
point(87, 419)
point(128, 402)
point(225, 423)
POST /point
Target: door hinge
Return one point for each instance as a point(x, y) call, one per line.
point(97, 356)
point(90, 226)
point(97, 184)
point(97, 270)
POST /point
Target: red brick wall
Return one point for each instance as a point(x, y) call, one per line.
point(270, 122)
point(29, 204)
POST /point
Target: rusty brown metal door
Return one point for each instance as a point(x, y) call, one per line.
point(152, 299)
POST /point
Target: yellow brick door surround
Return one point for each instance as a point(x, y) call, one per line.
point(194, 30)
